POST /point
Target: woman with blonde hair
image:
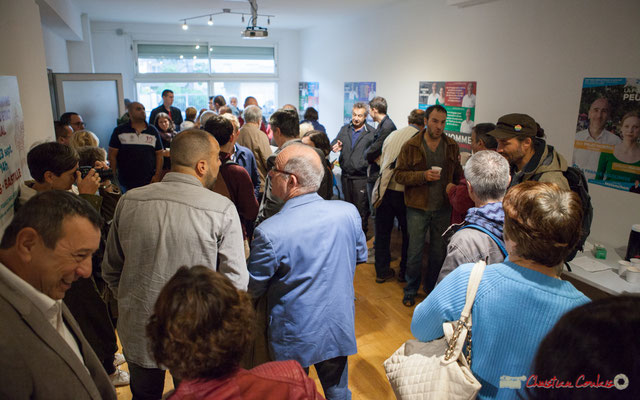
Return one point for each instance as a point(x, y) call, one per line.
point(623, 165)
point(83, 138)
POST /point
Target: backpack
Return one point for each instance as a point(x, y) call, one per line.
point(578, 184)
point(453, 229)
point(499, 242)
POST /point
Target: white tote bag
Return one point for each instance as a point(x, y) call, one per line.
point(438, 369)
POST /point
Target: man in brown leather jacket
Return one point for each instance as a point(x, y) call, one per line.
point(427, 164)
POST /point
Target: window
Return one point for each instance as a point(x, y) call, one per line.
point(169, 59)
point(185, 94)
point(202, 58)
point(242, 60)
point(195, 71)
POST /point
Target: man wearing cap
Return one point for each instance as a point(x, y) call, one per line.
point(530, 157)
point(427, 163)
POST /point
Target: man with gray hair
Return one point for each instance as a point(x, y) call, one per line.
point(160, 227)
point(254, 139)
point(309, 288)
point(479, 237)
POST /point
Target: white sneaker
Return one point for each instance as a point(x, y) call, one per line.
point(118, 359)
point(119, 378)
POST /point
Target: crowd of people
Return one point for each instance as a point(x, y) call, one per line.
point(217, 247)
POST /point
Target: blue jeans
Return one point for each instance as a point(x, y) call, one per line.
point(334, 377)
point(418, 223)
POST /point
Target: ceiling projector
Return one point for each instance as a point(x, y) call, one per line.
point(255, 32)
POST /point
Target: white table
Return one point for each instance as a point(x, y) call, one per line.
point(607, 281)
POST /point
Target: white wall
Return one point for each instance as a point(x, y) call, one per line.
point(114, 53)
point(55, 48)
point(23, 47)
point(527, 56)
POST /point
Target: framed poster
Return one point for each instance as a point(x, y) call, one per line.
point(606, 146)
point(308, 94)
point(459, 99)
point(357, 92)
point(12, 147)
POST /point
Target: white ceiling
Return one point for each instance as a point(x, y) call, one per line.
point(290, 14)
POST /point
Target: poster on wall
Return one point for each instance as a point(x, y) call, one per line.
point(357, 92)
point(12, 151)
point(459, 99)
point(308, 93)
point(606, 146)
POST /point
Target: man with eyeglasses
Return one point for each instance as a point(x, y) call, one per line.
point(74, 120)
point(303, 260)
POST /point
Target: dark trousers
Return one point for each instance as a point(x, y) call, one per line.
point(419, 222)
point(391, 207)
point(334, 378)
point(147, 383)
point(355, 192)
point(88, 308)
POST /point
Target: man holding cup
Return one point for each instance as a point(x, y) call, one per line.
point(427, 164)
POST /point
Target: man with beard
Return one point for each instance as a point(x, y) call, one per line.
point(530, 157)
point(160, 227)
point(427, 163)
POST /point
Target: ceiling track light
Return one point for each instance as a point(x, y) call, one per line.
point(253, 19)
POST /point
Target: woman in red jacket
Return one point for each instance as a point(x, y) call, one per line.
point(200, 328)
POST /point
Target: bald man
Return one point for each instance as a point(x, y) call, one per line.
point(135, 150)
point(309, 289)
point(157, 229)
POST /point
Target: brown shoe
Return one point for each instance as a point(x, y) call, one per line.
point(385, 278)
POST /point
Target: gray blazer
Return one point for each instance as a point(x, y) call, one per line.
point(36, 362)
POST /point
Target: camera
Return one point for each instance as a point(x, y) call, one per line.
point(104, 174)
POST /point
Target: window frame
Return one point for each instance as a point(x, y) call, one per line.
point(210, 78)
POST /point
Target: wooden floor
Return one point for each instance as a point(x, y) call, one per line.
point(382, 325)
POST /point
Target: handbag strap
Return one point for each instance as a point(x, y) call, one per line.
point(454, 350)
point(472, 289)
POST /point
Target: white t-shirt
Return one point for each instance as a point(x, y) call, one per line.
point(469, 101)
point(466, 126)
point(587, 160)
point(431, 101)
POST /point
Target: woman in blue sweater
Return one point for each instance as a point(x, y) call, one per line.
point(519, 300)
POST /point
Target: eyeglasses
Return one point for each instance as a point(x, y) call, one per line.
point(273, 170)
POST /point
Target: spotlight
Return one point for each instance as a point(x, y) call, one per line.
point(194, 57)
point(210, 22)
point(197, 46)
point(181, 56)
point(185, 26)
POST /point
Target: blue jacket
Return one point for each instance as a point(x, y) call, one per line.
point(304, 258)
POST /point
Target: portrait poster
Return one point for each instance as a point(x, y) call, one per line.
point(12, 147)
point(357, 92)
point(459, 99)
point(308, 95)
point(606, 146)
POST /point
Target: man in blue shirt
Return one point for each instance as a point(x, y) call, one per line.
point(309, 289)
point(135, 151)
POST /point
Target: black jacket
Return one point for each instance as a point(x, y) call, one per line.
point(385, 127)
point(352, 157)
